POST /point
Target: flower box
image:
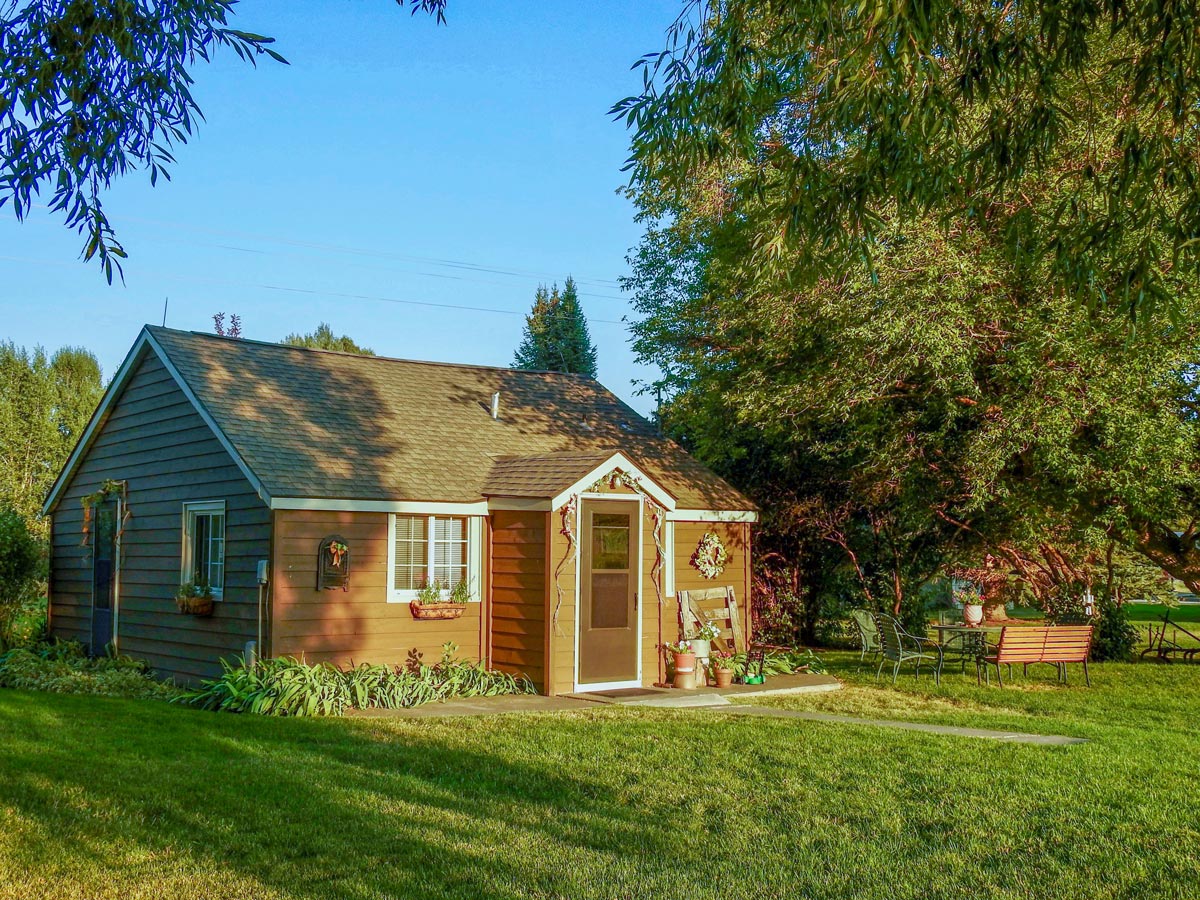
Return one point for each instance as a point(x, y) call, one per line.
point(195, 606)
point(436, 610)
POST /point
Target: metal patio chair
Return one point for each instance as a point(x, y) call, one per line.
point(897, 646)
point(868, 633)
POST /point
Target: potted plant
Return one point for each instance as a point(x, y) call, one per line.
point(194, 599)
point(722, 668)
point(432, 603)
point(685, 664)
point(972, 603)
point(702, 641)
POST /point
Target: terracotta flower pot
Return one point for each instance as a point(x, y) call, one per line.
point(973, 614)
point(724, 677)
point(685, 670)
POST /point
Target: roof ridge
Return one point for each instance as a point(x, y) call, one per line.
point(374, 356)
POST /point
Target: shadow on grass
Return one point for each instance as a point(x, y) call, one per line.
point(304, 808)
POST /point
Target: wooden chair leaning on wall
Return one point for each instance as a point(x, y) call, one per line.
point(717, 605)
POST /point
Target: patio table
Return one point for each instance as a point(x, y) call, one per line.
point(969, 642)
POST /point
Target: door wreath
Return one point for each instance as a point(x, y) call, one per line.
point(710, 556)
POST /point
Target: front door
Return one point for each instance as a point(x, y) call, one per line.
point(104, 574)
point(608, 610)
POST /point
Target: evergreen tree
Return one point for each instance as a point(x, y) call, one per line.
point(324, 339)
point(556, 337)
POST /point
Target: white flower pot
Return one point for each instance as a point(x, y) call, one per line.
point(973, 614)
point(702, 649)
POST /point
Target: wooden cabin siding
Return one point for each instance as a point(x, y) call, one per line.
point(736, 538)
point(518, 598)
point(154, 439)
point(358, 625)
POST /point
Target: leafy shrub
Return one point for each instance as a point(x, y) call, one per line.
point(1114, 639)
point(20, 565)
point(291, 687)
point(65, 669)
point(781, 662)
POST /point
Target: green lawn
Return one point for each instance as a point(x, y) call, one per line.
point(108, 798)
point(1147, 612)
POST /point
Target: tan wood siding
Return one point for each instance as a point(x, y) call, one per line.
point(154, 439)
point(560, 592)
point(518, 596)
point(358, 625)
point(736, 538)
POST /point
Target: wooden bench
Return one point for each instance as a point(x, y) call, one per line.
point(1055, 645)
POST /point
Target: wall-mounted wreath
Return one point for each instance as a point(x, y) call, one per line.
point(710, 556)
point(333, 564)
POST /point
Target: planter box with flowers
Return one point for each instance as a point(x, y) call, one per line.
point(433, 602)
point(194, 599)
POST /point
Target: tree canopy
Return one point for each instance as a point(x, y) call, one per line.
point(932, 407)
point(556, 336)
point(90, 91)
point(1069, 130)
point(324, 339)
point(45, 404)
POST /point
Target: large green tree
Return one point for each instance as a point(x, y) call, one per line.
point(875, 249)
point(324, 339)
point(93, 89)
point(556, 336)
point(45, 403)
point(829, 119)
point(939, 403)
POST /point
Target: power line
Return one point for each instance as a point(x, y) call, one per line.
point(317, 292)
point(362, 251)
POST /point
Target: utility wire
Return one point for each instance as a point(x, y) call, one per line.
point(362, 251)
point(316, 292)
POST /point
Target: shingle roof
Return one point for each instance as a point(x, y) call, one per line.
point(312, 423)
point(543, 475)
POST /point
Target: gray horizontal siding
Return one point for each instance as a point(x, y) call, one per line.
point(155, 440)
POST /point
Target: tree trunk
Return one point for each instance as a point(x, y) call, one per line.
point(1177, 554)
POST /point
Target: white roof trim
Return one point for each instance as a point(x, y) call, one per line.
point(431, 508)
point(617, 461)
point(115, 388)
point(712, 515)
point(98, 417)
point(518, 504)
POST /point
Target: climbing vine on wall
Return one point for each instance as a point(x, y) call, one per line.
point(569, 514)
point(109, 488)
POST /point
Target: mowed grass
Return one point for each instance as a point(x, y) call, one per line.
point(107, 798)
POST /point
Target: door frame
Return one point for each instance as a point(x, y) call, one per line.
point(114, 609)
point(638, 587)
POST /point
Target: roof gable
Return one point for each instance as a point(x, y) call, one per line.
point(145, 344)
point(316, 424)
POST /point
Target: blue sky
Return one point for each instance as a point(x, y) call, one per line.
point(393, 159)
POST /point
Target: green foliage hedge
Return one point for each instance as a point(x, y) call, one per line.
point(65, 669)
point(290, 687)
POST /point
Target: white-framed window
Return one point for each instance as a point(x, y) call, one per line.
point(204, 545)
point(427, 548)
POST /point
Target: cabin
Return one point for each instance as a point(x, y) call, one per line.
point(314, 494)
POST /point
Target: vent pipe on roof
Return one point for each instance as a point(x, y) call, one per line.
point(496, 405)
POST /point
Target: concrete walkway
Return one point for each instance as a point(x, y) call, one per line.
point(776, 685)
point(1014, 737)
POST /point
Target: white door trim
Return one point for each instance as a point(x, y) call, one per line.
point(641, 512)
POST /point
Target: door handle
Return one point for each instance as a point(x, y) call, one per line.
point(635, 601)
